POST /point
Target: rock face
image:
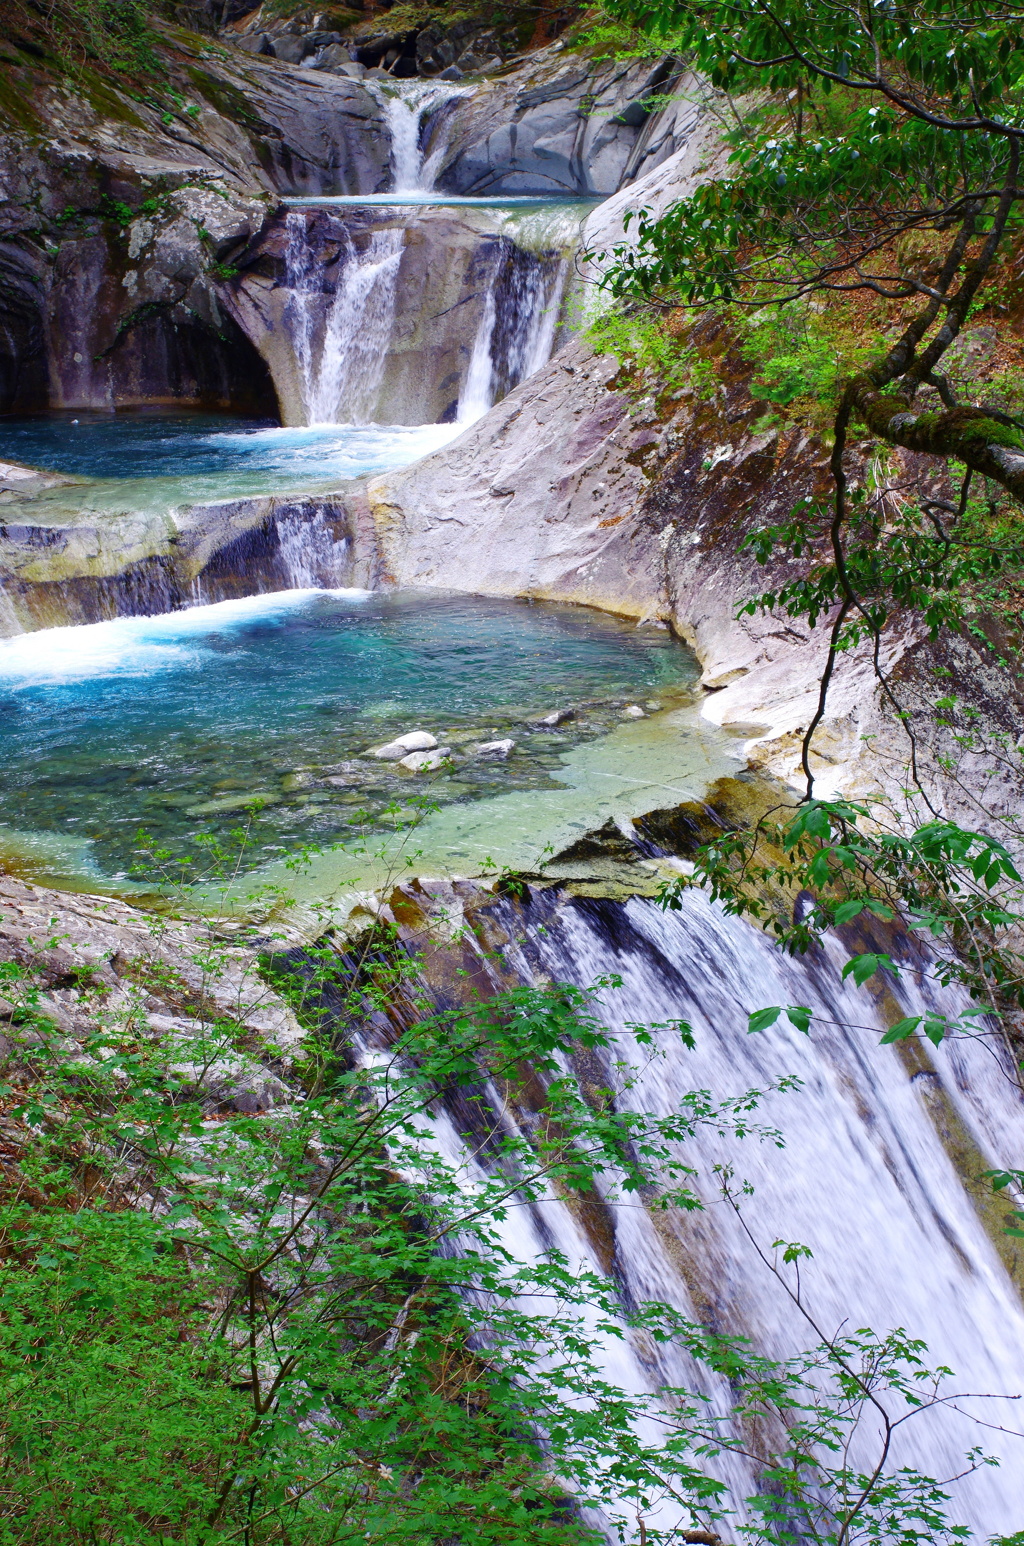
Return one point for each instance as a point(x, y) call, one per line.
point(120, 230)
point(570, 491)
point(573, 490)
point(372, 317)
point(136, 246)
point(55, 572)
point(100, 963)
point(560, 125)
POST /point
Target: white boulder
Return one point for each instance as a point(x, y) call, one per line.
point(413, 741)
point(424, 762)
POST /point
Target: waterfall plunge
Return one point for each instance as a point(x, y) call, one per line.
point(517, 327)
point(864, 1179)
point(409, 109)
point(341, 341)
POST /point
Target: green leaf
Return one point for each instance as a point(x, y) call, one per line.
point(901, 1030)
point(862, 967)
point(761, 1019)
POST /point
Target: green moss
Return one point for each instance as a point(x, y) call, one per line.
point(992, 433)
point(16, 101)
point(650, 356)
point(105, 98)
point(227, 99)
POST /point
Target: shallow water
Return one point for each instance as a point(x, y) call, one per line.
point(144, 461)
point(177, 723)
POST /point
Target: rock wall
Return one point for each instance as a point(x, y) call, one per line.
point(55, 572)
point(135, 243)
point(572, 489)
point(122, 227)
point(423, 318)
point(560, 124)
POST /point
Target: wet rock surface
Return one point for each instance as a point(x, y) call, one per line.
point(123, 226)
point(56, 571)
point(560, 124)
point(133, 263)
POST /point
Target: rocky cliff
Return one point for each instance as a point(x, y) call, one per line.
point(136, 235)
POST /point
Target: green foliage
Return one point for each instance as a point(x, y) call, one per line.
point(646, 349)
point(893, 558)
point(961, 888)
point(603, 36)
point(970, 56)
point(314, 1325)
point(795, 356)
point(115, 1425)
point(117, 35)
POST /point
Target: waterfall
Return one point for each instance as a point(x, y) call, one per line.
point(866, 1178)
point(517, 326)
point(313, 554)
point(477, 393)
point(341, 340)
point(409, 109)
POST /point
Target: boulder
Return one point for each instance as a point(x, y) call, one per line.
point(493, 751)
point(336, 59)
point(562, 124)
point(473, 64)
point(425, 762)
point(290, 50)
point(413, 741)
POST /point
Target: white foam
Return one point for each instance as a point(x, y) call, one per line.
point(138, 646)
point(339, 450)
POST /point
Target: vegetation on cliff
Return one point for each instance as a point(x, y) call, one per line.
point(862, 252)
point(316, 1321)
point(870, 211)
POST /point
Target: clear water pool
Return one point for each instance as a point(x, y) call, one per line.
point(177, 723)
point(140, 461)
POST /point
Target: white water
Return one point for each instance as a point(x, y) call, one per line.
point(863, 1180)
point(516, 331)
point(341, 340)
point(138, 646)
point(408, 108)
point(477, 394)
point(516, 205)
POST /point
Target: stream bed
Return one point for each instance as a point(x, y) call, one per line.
point(179, 724)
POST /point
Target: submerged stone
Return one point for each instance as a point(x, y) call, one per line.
point(424, 762)
point(234, 802)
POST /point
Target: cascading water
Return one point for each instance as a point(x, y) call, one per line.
point(341, 340)
point(865, 1179)
point(517, 326)
point(410, 110)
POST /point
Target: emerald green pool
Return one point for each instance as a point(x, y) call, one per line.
point(177, 724)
